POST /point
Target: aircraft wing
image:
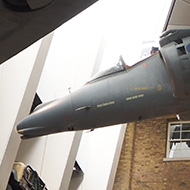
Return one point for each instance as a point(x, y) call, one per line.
point(178, 16)
point(25, 21)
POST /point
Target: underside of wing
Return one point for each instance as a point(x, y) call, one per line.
point(24, 22)
point(178, 16)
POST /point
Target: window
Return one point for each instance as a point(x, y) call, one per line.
point(178, 146)
point(121, 66)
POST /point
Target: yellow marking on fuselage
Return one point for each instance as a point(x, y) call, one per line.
point(20, 131)
point(142, 88)
point(105, 104)
point(159, 87)
point(134, 97)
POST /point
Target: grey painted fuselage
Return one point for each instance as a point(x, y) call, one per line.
point(145, 90)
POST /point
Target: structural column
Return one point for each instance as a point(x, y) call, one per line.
point(19, 77)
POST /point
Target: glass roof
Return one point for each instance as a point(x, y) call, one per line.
point(93, 40)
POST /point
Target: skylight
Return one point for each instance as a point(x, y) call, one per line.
point(94, 40)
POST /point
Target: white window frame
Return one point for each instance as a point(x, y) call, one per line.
point(180, 140)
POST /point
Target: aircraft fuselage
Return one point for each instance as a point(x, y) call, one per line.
point(120, 95)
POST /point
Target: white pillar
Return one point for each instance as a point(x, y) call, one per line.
point(117, 154)
point(52, 156)
point(19, 78)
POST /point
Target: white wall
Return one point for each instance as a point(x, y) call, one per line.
point(97, 156)
point(52, 157)
point(53, 153)
point(18, 81)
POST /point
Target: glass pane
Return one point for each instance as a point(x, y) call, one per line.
point(171, 154)
point(121, 66)
point(174, 135)
point(175, 127)
point(179, 150)
point(173, 145)
point(185, 153)
point(188, 144)
point(185, 135)
point(172, 149)
point(186, 126)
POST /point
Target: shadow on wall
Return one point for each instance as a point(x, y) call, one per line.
point(77, 177)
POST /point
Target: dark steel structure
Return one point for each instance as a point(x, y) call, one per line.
point(23, 22)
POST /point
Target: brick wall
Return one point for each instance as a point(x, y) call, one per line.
point(141, 165)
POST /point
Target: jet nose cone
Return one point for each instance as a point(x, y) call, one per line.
point(20, 130)
point(28, 130)
point(47, 119)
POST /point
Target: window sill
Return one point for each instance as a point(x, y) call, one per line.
point(175, 159)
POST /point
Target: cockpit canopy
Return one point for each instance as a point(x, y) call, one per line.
point(121, 66)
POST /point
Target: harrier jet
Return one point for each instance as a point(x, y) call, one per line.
point(156, 86)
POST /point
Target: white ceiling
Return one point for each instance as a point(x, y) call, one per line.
point(99, 35)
